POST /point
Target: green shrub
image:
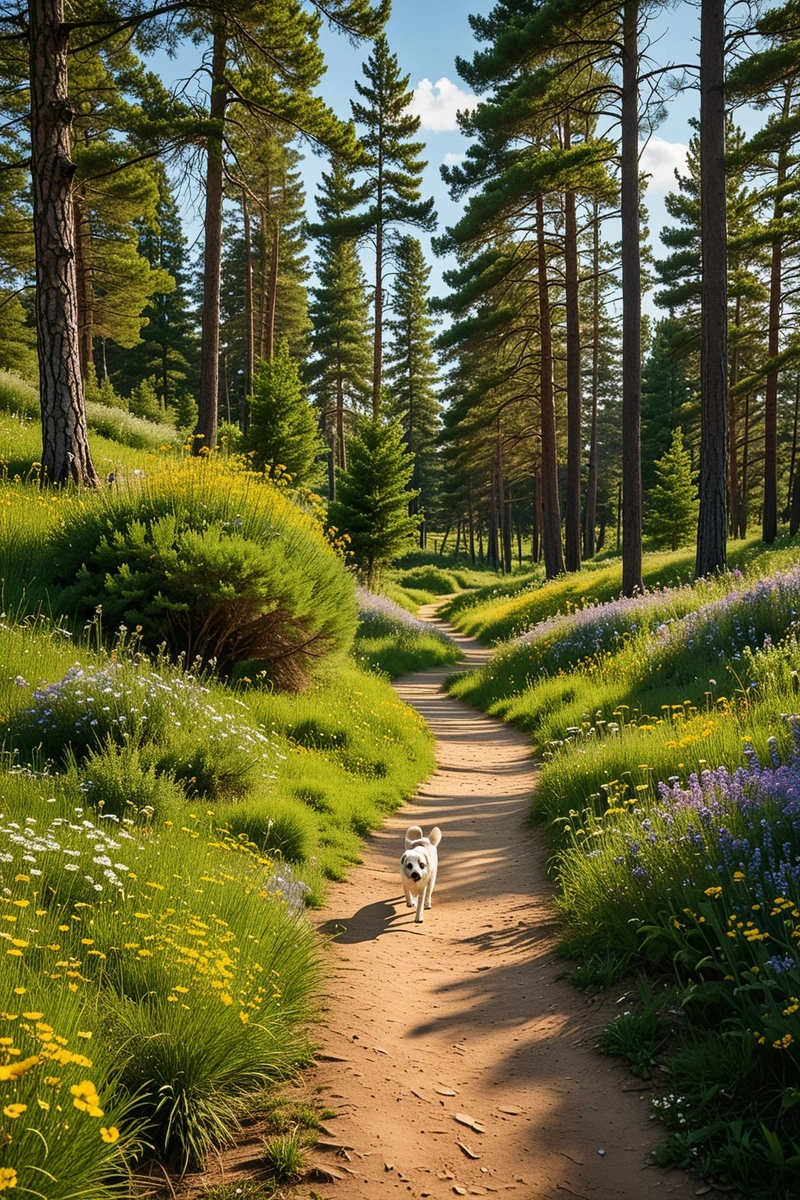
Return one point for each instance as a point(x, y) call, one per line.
point(281, 826)
point(390, 640)
point(115, 780)
point(212, 564)
point(432, 579)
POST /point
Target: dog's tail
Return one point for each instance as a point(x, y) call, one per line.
point(435, 836)
point(413, 834)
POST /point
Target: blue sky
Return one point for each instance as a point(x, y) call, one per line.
point(426, 36)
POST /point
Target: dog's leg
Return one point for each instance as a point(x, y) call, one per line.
point(407, 890)
point(429, 890)
point(419, 918)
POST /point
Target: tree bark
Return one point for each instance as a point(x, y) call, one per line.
point(249, 327)
point(65, 445)
point(551, 507)
point(631, 310)
point(572, 527)
point(793, 460)
point(744, 494)
point(589, 544)
point(206, 432)
point(769, 525)
point(712, 520)
point(733, 449)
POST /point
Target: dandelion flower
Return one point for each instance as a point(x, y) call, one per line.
point(14, 1110)
point(109, 1133)
point(8, 1178)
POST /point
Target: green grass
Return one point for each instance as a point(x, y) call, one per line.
point(620, 697)
point(393, 643)
point(175, 828)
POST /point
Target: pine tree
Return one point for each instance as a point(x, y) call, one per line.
point(264, 263)
point(667, 395)
point(373, 497)
point(411, 371)
point(712, 526)
point(17, 340)
point(672, 502)
point(394, 175)
point(283, 434)
point(168, 349)
point(339, 372)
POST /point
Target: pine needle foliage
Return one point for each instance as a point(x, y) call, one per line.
point(374, 497)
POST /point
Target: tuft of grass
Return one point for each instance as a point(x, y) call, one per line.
point(285, 1156)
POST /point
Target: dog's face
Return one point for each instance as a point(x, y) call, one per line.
point(414, 865)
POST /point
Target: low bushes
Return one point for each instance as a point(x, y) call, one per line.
point(673, 853)
point(389, 639)
point(153, 929)
point(22, 398)
point(211, 563)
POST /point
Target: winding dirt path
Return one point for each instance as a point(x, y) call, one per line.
point(469, 1013)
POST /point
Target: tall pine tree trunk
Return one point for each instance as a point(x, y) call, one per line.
point(65, 446)
point(537, 514)
point(733, 448)
point(551, 508)
point(793, 460)
point(206, 433)
point(589, 545)
point(631, 310)
point(249, 327)
point(744, 498)
point(572, 528)
point(769, 526)
point(712, 520)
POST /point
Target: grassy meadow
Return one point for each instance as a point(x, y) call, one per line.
point(197, 735)
point(669, 732)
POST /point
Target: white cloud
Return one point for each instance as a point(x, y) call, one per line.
point(452, 160)
point(659, 159)
point(436, 104)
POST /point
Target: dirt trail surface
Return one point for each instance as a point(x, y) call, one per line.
point(457, 1056)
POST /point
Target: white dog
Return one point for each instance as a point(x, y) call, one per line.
point(418, 867)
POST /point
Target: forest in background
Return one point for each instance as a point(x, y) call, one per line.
point(535, 403)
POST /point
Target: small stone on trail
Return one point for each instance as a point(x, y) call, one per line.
point(601, 1151)
point(509, 1108)
point(444, 1175)
point(387, 1166)
point(702, 1191)
point(465, 1119)
point(443, 1091)
point(466, 1150)
point(379, 1050)
point(459, 1191)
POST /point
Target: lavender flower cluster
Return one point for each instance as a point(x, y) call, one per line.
point(563, 639)
point(378, 614)
point(754, 616)
point(761, 802)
